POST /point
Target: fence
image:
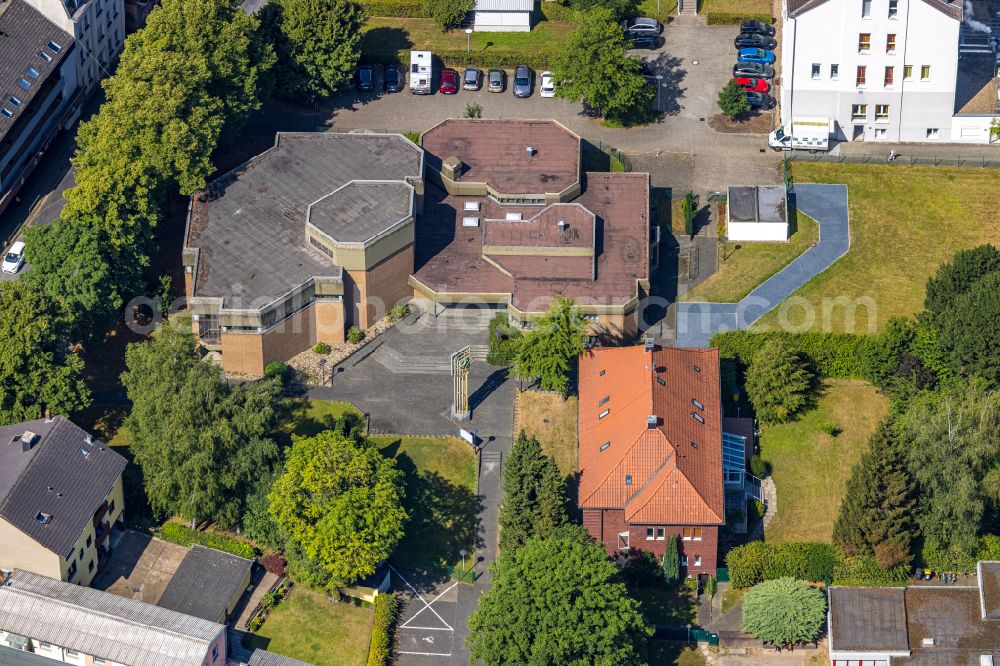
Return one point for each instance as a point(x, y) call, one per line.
point(622, 158)
point(680, 634)
point(981, 161)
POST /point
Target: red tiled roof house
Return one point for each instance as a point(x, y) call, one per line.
point(651, 451)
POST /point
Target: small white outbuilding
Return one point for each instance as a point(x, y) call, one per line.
point(503, 15)
point(757, 214)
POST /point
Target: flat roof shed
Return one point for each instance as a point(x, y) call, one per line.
point(208, 584)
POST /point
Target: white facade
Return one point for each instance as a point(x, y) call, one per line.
point(503, 15)
point(98, 26)
point(884, 70)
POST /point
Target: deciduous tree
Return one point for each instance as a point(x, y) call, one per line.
point(557, 601)
point(550, 350)
point(733, 100)
point(448, 13)
point(784, 611)
point(779, 383)
point(534, 502)
point(969, 331)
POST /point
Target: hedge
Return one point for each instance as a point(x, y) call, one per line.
point(735, 18)
point(758, 561)
point(386, 611)
point(865, 572)
point(461, 58)
point(185, 536)
point(396, 8)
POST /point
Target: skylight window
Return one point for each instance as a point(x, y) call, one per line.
point(15, 101)
point(661, 381)
point(697, 404)
point(605, 446)
point(7, 113)
point(25, 83)
point(55, 47)
point(697, 417)
point(33, 73)
point(45, 56)
point(43, 518)
point(628, 479)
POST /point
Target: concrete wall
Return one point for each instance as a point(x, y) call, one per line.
point(969, 129)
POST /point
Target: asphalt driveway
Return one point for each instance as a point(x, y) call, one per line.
point(827, 204)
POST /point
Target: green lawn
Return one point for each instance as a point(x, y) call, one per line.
point(440, 499)
point(667, 9)
point(905, 222)
point(677, 654)
point(309, 627)
point(305, 418)
point(747, 265)
point(810, 468)
point(741, 7)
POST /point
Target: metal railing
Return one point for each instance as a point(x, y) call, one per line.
point(980, 161)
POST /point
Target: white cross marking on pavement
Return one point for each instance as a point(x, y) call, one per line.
point(426, 604)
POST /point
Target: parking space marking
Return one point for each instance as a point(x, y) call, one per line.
point(427, 605)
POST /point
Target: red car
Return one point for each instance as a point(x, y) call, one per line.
point(753, 85)
point(449, 81)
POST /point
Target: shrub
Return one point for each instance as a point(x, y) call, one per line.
point(864, 571)
point(396, 8)
point(448, 13)
point(274, 564)
point(758, 561)
point(758, 467)
point(322, 348)
point(989, 548)
point(691, 584)
point(279, 369)
point(689, 208)
point(355, 335)
point(710, 587)
point(504, 341)
point(735, 18)
point(399, 311)
point(473, 110)
point(185, 536)
point(386, 612)
point(830, 428)
point(755, 508)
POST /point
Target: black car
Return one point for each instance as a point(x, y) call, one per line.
point(649, 42)
point(394, 79)
point(366, 78)
point(760, 100)
point(754, 70)
point(757, 28)
point(753, 41)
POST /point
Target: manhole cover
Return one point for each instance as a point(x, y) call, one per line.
point(694, 62)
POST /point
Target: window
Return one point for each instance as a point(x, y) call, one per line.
point(925, 72)
point(893, 8)
point(932, 132)
point(815, 70)
point(649, 534)
point(628, 479)
point(697, 560)
point(835, 71)
point(55, 47)
point(99, 661)
point(866, 8)
point(604, 413)
point(890, 43)
point(111, 507)
point(864, 42)
point(601, 373)
point(859, 112)
point(604, 401)
point(684, 560)
point(45, 56)
point(7, 113)
point(25, 83)
point(45, 646)
point(881, 113)
point(880, 133)
point(698, 417)
point(860, 79)
point(90, 566)
point(90, 540)
point(215, 652)
point(661, 381)
point(13, 100)
point(660, 534)
point(605, 446)
point(691, 534)
point(72, 653)
point(71, 571)
point(42, 518)
point(32, 72)
point(697, 403)
point(907, 72)
point(887, 81)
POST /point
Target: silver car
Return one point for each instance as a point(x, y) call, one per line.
point(641, 25)
point(522, 81)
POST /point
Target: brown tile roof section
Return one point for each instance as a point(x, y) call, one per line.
point(542, 230)
point(953, 9)
point(673, 482)
point(495, 152)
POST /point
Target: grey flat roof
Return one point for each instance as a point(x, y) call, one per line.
point(125, 631)
point(11, 657)
point(205, 582)
point(249, 225)
point(24, 32)
point(265, 658)
point(989, 589)
point(952, 617)
point(757, 204)
point(361, 210)
point(67, 479)
point(869, 619)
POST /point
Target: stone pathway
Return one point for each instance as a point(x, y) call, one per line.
point(770, 500)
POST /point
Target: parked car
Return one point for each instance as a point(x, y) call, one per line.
point(366, 78)
point(522, 81)
point(648, 42)
point(760, 100)
point(394, 79)
point(641, 25)
point(757, 27)
point(753, 69)
point(449, 81)
point(470, 81)
point(15, 258)
point(756, 55)
point(752, 85)
point(548, 85)
point(747, 40)
point(496, 80)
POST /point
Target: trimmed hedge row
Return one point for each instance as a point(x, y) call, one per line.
point(396, 8)
point(757, 561)
point(461, 58)
point(864, 571)
point(185, 536)
point(735, 18)
point(386, 612)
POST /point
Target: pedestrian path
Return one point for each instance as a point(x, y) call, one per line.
point(827, 204)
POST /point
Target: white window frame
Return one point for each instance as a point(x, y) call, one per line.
point(649, 534)
point(661, 534)
point(816, 68)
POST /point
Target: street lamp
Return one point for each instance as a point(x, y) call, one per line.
point(689, 633)
point(468, 36)
point(322, 372)
point(463, 553)
point(659, 78)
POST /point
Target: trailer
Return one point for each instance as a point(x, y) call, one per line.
point(421, 72)
point(811, 134)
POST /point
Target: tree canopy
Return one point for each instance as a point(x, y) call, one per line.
point(779, 383)
point(784, 611)
point(969, 331)
point(317, 42)
point(550, 350)
point(594, 66)
point(957, 276)
point(200, 444)
point(733, 100)
point(534, 502)
point(557, 601)
point(448, 14)
point(338, 506)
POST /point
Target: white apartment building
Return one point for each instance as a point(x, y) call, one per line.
point(98, 28)
point(883, 70)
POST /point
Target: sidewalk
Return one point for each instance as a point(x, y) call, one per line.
point(949, 151)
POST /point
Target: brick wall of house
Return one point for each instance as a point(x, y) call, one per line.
point(707, 547)
point(376, 290)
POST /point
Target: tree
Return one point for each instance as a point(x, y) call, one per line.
point(784, 611)
point(778, 382)
point(317, 42)
point(256, 522)
point(201, 445)
point(671, 561)
point(733, 100)
point(534, 502)
point(37, 370)
point(878, 513)
point(339, 508)
point(448, 13)
point(549, 351)
point(689, 209)
point(956, 277)
point(969, 331)
point(620, 8)
point(594, 66)
point(557, 601)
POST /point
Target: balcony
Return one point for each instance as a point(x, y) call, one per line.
point(100, 513)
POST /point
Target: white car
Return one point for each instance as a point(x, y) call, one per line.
point(548, 87)
point(15, 258)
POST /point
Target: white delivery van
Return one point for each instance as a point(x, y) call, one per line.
point(802, 134)
point(421, 72)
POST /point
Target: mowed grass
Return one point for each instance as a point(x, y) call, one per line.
point(905, 222)
point(309, 627)
point(306, 418)
point(810, 468)
point(742, 7)
point(552, 419)
point(748, 265)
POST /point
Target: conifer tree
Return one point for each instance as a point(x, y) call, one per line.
point(671, 561)
point(534, 501)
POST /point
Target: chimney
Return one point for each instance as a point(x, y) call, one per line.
point(648, 343)
point(452, 168)
point(652, 421)
point(531, 151)
point(89, 439)
point(48, 415)
point(27, 440)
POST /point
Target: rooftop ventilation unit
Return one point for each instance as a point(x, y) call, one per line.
point(89, 439)
point(531, 151)
point(652, 421)
point(562, 226)
point(27, 439)
point(43, 518)
point(927, 642)
point(648, 343)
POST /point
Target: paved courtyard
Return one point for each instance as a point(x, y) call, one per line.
point(140, 567)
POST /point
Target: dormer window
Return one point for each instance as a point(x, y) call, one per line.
point(45, 56)
point(43, 518)
point(13, 100)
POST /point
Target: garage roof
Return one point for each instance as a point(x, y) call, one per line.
point(205, 583)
